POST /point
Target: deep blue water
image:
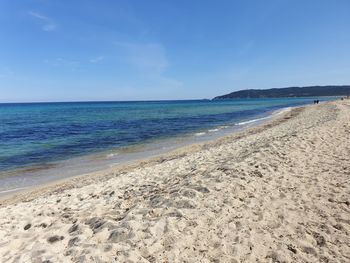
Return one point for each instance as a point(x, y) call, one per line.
point(40, 133)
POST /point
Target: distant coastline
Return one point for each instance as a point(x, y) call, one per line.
point(290, 92)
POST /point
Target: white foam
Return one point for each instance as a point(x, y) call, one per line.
point(12, 190)
point(254, 120)
point(219, 128)
point(283, 110)
point(111, 155)
point(199, 134)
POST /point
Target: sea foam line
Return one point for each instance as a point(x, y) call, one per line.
point(264, 118)
point(12, 190)
point(254, 120)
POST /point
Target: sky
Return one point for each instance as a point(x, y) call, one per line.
point(86, 50)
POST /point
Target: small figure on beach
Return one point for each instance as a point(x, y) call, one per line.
point(316, 101)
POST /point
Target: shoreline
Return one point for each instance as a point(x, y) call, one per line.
point(277, 192)
point(172, 145)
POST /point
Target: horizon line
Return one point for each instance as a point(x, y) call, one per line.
point(155, 100)
point(87, 101)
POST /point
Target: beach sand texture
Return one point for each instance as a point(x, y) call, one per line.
point(275, 193)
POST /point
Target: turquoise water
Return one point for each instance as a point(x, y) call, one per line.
point(37, 134)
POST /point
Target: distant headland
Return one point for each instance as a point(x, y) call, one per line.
point(310, 91)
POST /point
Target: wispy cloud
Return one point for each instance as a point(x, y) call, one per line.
point(152, 65)
point(97, 59)
point(47, 24)
point(65, 63)
point(150, 58)
point(246, 48)
point(6, 72)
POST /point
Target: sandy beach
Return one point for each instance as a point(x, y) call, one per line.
point(278, 192)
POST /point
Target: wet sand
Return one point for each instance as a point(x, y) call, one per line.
point(274, 193)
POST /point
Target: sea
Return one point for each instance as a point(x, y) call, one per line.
point(43, 142)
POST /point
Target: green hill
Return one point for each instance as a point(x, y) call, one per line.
point(311, 91)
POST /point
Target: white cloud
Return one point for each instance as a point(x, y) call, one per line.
point(97, 59)
point(47, 23)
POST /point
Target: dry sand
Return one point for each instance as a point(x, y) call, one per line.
point(274, 193)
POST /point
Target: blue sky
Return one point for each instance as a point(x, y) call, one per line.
point(180, 49)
